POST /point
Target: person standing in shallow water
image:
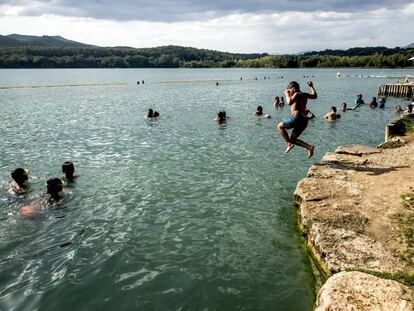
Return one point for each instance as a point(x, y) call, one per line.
point(298, 121)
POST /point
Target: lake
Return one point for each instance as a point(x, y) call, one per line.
point(180, 213)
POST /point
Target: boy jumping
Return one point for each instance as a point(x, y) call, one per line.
point(298, 120)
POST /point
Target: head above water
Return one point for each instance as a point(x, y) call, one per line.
point(20, 175)
point(150, 113)
point(294, 86)
point(359, 95)
point(333, 108)
point(54, 186)
point(221, 116)
point(68, 169)
point(156, 114)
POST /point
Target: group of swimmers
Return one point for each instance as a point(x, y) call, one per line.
point(300, 115)
point(279, 102)
point(221, 117)
point(152, 114)
point(372, 104)
point(409, 109)
point(334, 115)
point(54, 188)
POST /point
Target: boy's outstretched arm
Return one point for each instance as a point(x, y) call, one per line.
point(313, 94)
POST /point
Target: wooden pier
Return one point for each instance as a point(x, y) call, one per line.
point(405, 90)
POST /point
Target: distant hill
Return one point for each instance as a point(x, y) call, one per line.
point(9, 42)
point(15, 40)
point(356, 51)
point(21, 51)
point(410, 46)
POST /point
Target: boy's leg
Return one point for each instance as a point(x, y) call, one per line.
point(294, 140)
point(283, 132)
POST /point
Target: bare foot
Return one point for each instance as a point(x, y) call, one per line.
point(311, 150)
point(289, 147)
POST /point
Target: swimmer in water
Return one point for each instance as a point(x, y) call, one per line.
point(277, 102)
point(309, 114)
point(332, 115)
point(221, 117)
point(344, 107)
point(373, 103)
point(150, 114)
point(381, 103)
point(19, 184)
point(359, 101)
point(156, 115)
point(69, 170)
point(53, 195)
point(297, 101)
point(259, 111)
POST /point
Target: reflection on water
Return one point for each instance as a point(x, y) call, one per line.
point(176, 213)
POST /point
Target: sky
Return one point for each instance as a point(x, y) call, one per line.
point(243, 26)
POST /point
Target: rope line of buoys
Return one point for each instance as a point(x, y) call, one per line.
point(60, 85)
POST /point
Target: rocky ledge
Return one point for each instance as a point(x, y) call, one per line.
point(356, 210)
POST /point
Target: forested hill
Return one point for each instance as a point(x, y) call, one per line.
point(360, 51)
point(14, 40)
point(27, 56)
point(122, 57)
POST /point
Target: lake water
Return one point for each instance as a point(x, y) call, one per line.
point(175, 214)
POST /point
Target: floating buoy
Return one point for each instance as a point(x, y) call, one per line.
point(338, 74)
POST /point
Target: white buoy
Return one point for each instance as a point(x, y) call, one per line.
point(338, 74)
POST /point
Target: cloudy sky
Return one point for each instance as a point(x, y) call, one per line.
point(272, 26)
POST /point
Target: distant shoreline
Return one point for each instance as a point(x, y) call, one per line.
point(269, 68)
point(185, 57)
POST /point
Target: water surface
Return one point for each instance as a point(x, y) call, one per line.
point(175, 214)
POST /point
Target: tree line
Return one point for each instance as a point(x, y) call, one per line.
point(176, 57)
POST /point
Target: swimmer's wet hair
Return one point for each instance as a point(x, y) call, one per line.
point(333, 108)
point(19, 174)
point(54, 185)
point(68, 166)
point(293, 85)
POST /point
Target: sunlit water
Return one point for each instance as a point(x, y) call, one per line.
point(175, 214)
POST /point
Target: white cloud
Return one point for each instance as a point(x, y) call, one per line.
point(275, 32)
